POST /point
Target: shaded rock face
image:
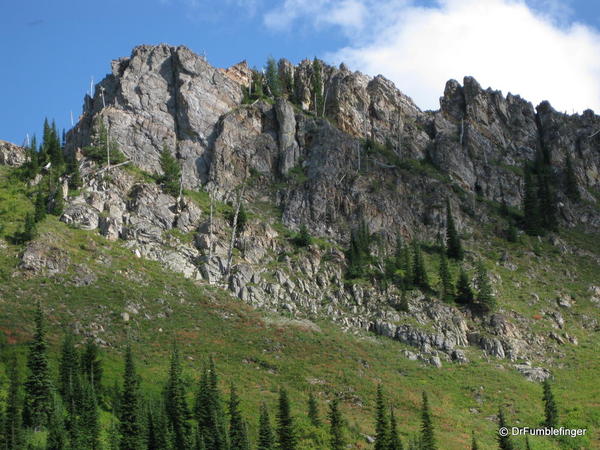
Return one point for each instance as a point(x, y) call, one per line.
point(12, 155)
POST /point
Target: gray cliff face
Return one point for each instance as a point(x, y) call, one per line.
point(317, 172)
point(12, 155)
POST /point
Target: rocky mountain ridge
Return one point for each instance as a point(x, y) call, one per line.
point(314, 169)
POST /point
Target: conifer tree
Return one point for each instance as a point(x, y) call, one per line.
point(57, 434)
point(265, 433)
point(171, 172)
point(317, 87)
point(286, 434)
point(407, 267)
point(273, 81)
point(88, 419)
point(381, 422)
point(336, 426)
point(130, 427)
point(550, 408)
point(447, 288)
point(11, 423)
point(395, 442)
point(474, 445)
point(38, 388)
point(40, 207)
point(156, 434)
point(421, 280)
point(91, 366)
point(531, 208)
point(58, 202)
point(504, 442)
point(572, 188)
point(454, 250)
point(485, 296)
point(175, 404)
point(464, 292)
point(303, 239)
point(75, 181)
point(68, 374)
point(313, 410)
point(427, 433)
point(359, 254)
point(238, 438)
point(208, 411)
point(547, 201)
point(29, 229)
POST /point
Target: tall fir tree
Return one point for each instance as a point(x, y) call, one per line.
point(238, 437)
point(504, 441)
point(395, 442)
point(532, 223)
point(208, 411)
point(464, 292)
point(69, 374)
point(313, 410)
point(286, 433)
point(571, 185)
point(129, 418)
point(407, 268)
point(40, 206)
point(382, 436)
point(265, 432)
point(421, 279)
point(29, 229)
point(88, 421)
point(156, 428)
point(446, 285)
point(550, 408)
point(474, 445)
point(91, 366)
point(171, 172)
point(12, 435)
point(317, 87)
point(175, 404)
point(454, 246)
point(427, 431)
point(359, 253)
point(485, 296)
point(38, 387)
point(336, 426)
point(272, 76)
point(57, 438)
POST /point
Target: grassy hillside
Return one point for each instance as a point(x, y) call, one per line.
point(260, 352)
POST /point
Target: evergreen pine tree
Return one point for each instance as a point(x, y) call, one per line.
point(91, 366)
point(68, 374)
point(464, 292)
point(317, 87)
point(359, 253)
point(381, 422)
point(446, 288)
point(273, 81)
point(504, 442)
point(395, 442)
point(547, 201)
point(313, 410)
point(40, 207)
point(57, 434)
point(238, 438)
point(421, 280)
point(156, 435)
point(531, 208)
point(303, 239)
point(11, 423)
point(286, 435)
point(550, 408)
point(175, 404)
point(407, 268)
point(265, 433)
point(336, 426)
point(75, 181)
point(38, 388)
point(427, 433)
point(485, 296)
point(129, 427)
point(29, 229)
point(572, 188)
point(208, 411)
point(171, 172)
point(58, 202)
point(474, 445)
point(453, 243)
point(88, 418)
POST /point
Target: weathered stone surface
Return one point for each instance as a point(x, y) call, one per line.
point(41, 257)
point(11, 154)
point(82, 216)
point(288, 147)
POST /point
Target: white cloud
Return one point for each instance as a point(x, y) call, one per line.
point(530, 50)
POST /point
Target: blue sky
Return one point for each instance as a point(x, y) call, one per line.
point(51, 49)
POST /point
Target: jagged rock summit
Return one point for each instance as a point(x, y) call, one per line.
point(365, 152)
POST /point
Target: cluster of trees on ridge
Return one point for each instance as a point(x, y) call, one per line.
point(67, 410)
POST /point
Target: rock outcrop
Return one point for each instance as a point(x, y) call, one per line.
point(12, 155)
